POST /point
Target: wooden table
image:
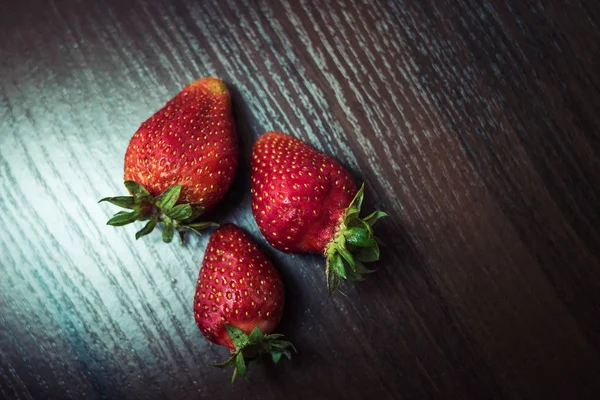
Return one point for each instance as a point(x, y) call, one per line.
point(475, 125)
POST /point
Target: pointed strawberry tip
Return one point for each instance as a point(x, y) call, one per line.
point(212, 85)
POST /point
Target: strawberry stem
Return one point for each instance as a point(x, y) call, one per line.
point(253, 347)
point(163, 208)
point(353, 245)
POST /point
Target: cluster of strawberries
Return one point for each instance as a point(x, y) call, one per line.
point(181, 162)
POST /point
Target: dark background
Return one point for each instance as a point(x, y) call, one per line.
point(475, 125)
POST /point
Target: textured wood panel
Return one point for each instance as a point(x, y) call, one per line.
point(475, 124)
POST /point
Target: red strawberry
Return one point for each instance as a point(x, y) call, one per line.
point(239, 299)
point(304, 201)
point(181, 161)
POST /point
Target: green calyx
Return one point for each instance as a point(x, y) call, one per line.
point(161, 209)
point(353, 245)
point(253, 347)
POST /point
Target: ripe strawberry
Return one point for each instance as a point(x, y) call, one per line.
point(304, 201)
point(181, 161)
point(239, 299)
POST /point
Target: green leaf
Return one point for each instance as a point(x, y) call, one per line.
point(227, 363)
point(181, 237)
point(283, 344)
point(359, 237)
point(123, 219)
point(198, 226)
point(359, 274)
point(273, 336)
point(167, 199)
point(279, 346)
point(369, 243)
point(240, 364)
point(355, 276)
point(293, 347)
point(354, 244)
point(276, 356)
point(288, 354)
point(360, 224)
point(336, 265)
point(332, 279)
point(256, 336)
point(121, 201)
point(187, 228)
point(234, 375)
point(368, 254)
point(361, 269)
point(202, 225)
point(238, 338)
point(196, 212)
point(168, 232)
point(146, 229)
point(180, 212)
point(375, 216)
point(137, 190)
point(347, 257)
point(352, 213)
point(358, 198)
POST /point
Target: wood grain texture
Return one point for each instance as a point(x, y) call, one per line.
point(475, 124)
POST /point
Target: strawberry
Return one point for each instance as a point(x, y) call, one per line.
point(306, 202)
point(239, 299)
point(181, 161)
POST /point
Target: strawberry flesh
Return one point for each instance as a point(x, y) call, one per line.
point(238, 286)
point(299, 194)
point(191, 141)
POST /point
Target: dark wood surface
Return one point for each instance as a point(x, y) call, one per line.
point(475, 125)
